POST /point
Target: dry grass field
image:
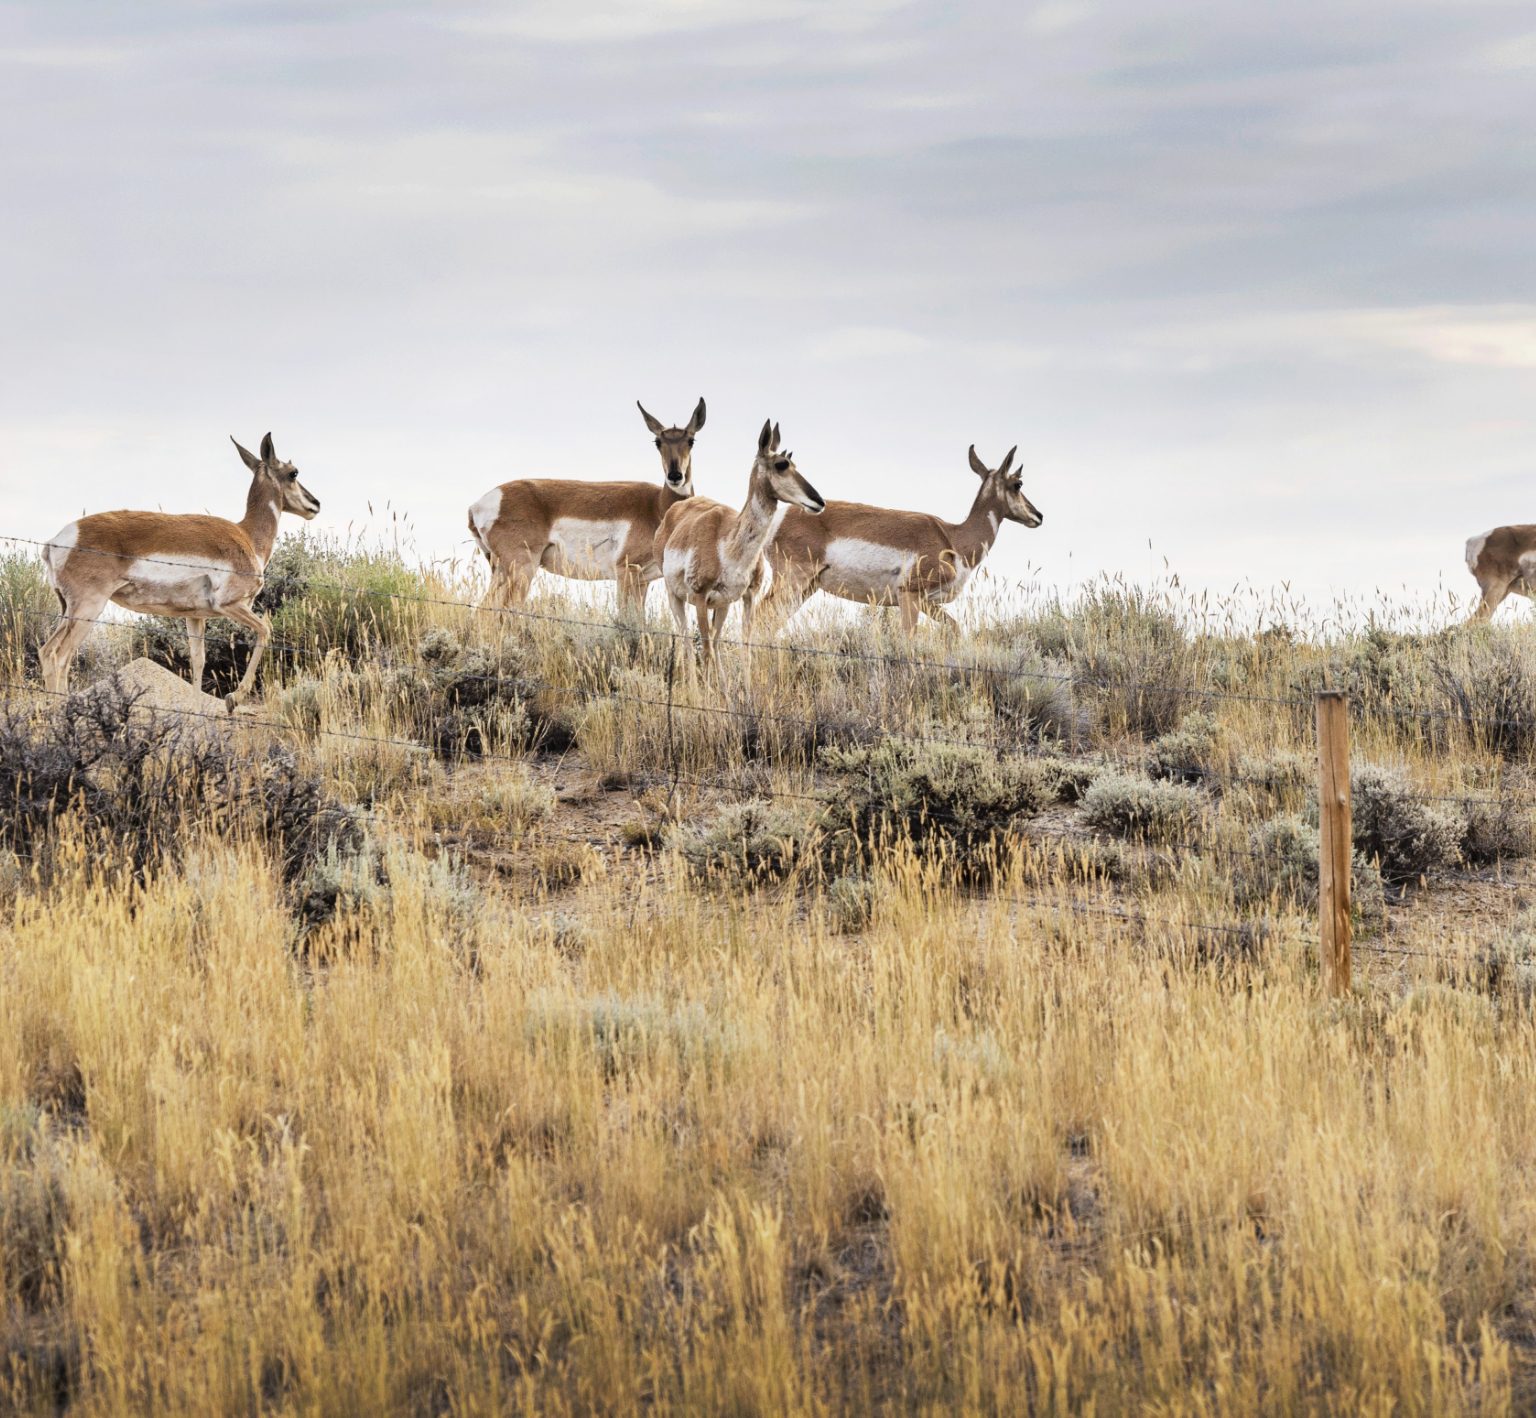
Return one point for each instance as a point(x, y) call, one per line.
point(502, 1018)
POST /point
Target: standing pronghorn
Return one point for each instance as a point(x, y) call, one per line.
point(886, 557)
point(713, 556)
point(587, 531)
point(162, 563)
point(1504, 562)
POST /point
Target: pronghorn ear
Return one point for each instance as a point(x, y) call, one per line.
point(697, 421)
point(251, 460)
point(1008, 461)
point(765, 438)
point(775, 437)
point(977, 466)
point(654, 424)
point(268, 452)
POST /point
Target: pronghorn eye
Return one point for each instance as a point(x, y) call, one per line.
point(690, 443)
point(782, 465)
point(658, 443)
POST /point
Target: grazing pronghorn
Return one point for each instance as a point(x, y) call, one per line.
point(712, 555)
point(587, 531)
point(886, 557)
point(163, 563)
point(1504, 562)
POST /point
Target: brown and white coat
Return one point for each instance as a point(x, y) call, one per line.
point(1504, 563)
point(886, 557)
point(190, 565)
point(711, 555)
point(588, 531)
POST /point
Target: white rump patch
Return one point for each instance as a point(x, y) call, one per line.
point(57, 553)
point(482, 517)
point(1475, 547)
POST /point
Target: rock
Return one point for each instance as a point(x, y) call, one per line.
point(155, 689)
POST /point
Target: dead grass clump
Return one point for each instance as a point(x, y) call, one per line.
point(142, 786)
point(1133, 659)
point(1504, 967)
point(850, 902)
point(29, 613)
point(1485, 683)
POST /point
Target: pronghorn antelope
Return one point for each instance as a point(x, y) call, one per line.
point(587, 531)
point(886, 557)
point(713, 556)
point(191, 565)
point(1504, 562)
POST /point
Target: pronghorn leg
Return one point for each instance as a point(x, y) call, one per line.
point(784, 598)
point(911, 606)
point(244, 615)
point(939, 617)
point(57, 652)
point(679, 612)
point(1493, 598)
point(197, 647)
point(706, 647)
point(631, 594)
point(510, 579)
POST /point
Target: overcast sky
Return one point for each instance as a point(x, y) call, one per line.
point(1251, 283)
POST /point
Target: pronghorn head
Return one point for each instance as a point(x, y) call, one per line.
point(676, 448)
point(1008, 488)
point(777, 472)
point(292, 495)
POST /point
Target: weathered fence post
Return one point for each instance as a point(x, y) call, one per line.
point(1336, 853)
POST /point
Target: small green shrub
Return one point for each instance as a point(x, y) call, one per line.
point(949, 797)
point(1127, 806)
point(1031, 696)
point(747, 843)
point(1408, 837)
point(1283, 865)
point(1497, 827)
point(1065, 778)
point(622, 1034)
point(1188, 753)
point(1281, 773)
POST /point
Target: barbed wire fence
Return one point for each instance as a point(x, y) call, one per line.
point(1334, 936)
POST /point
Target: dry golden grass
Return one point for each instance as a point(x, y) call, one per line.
point(505, 1135)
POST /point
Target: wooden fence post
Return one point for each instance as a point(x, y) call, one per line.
point(1336, 854)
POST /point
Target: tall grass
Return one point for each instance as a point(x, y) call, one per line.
point(890, 1067)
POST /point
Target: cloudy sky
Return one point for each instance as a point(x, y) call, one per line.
point(1255, 285)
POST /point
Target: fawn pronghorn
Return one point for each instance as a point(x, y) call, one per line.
point(587, 531)
point(1504, 563)
point(162, 563)
point(886, 557)
point(712, 555)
